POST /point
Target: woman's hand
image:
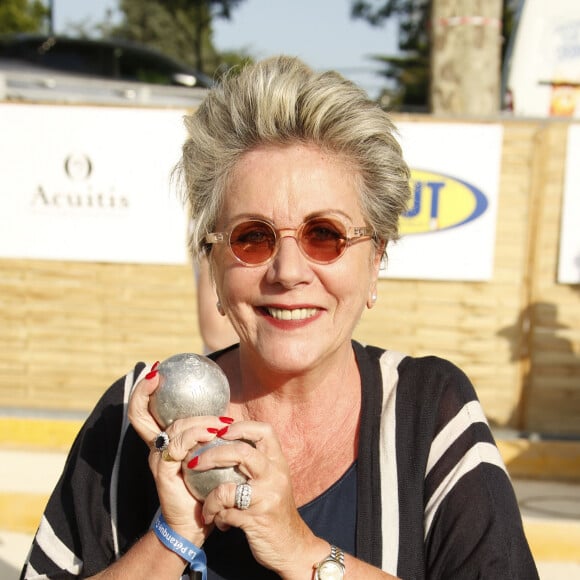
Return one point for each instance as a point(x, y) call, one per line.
point(277, 535)
point(180, 509)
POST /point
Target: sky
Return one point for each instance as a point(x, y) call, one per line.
point(320, 32)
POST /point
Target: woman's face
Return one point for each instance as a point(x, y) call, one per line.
point(292, 313)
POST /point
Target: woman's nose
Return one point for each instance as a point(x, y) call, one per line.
point(289, 267)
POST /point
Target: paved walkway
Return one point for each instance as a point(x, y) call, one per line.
point(550, 508)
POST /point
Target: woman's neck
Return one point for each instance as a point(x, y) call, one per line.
point(313, 408)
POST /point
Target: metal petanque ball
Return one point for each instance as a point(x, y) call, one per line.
point(191, 385)
point(201, 483)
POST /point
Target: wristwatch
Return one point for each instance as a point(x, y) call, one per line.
point(332, 567)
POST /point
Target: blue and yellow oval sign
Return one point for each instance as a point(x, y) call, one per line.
point(440, 202)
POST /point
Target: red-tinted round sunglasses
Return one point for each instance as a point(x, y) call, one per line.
point(321, 239)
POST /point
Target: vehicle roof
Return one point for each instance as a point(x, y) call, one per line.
point(24, 38)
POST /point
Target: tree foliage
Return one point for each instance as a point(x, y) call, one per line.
point(412, 16)
point(179, 28)
point(22, 16)
point(409, 71)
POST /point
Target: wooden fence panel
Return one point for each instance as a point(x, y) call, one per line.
point(72, 328)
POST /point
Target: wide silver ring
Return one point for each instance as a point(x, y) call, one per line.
point(161, 442)
point(243, 496)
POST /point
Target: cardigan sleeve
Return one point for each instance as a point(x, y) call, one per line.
point(472, 523)
point(74, 538)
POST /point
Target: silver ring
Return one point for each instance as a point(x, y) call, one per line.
point(161, 442)
point(243, 496)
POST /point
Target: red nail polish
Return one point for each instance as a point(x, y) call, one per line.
point(227, 420)
point(222, 432)
point(151, 374)
point(212, 430)
point(155, 365)
point(193, 462)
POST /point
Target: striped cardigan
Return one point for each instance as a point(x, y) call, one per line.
point(434, 500)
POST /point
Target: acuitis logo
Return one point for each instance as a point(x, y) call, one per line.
point(78, 193)
point(440, 202)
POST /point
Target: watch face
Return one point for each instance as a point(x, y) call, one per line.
point(330, 570)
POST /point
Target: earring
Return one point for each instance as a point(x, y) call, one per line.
point(371, 301)
point(219, 307)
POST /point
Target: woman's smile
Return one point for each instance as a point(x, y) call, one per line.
point(291, 313)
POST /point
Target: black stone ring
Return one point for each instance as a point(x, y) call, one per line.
point(161, 442)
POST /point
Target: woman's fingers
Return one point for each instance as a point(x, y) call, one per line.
point(261, 435)
point(253, 448)
point(231, 453)
point(265, 510)
point(179, 506)
point(139, 415)
point(185, 434)
point(254, 451)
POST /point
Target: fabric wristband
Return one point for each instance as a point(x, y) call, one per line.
point(176, 543)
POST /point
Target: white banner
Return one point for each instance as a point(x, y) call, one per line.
point(569, 262)
point(90, 184)
point(449, 230)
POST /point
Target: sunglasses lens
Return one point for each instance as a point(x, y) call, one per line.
point(253, 242)
point(323, 239)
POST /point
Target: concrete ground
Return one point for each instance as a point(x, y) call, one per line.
point(550, 508)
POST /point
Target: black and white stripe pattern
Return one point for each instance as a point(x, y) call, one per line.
point(55, 550)
point(433, 498)
point(447, 508)
point(472, 455)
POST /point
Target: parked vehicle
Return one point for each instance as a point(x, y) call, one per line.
point(83, 71)
point(111, 59)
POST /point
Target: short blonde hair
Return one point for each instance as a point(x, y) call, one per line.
point(280, 101)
